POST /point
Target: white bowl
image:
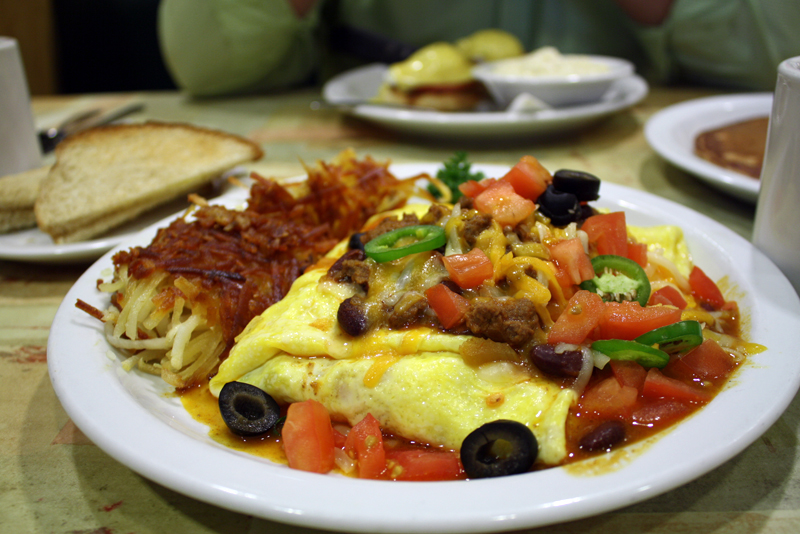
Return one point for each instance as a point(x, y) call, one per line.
point(553, 90)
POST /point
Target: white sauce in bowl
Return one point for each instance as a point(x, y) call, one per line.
point(548, 61)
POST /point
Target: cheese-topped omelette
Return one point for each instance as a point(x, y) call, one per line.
point(362, 334)
point(413, 381)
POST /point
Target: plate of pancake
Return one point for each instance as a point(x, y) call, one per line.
point(719, 139)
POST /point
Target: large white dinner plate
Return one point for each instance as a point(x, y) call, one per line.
point(33, 245)
point(361, 84)
point(132, 417)
point(672, 131)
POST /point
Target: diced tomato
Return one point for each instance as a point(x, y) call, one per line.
point(638, 253)
point(563, 278)
point(472, 189)
point(629, 373)
point(569, 255)
point(658, 385)
point(424, 465)
point(308, 437)
point(669, 296)
point(608, 398)
point(469, 270)
point(528, 177)
point(504, 204)
point(581, 315)
point(338, 439)
point(660, 412)
point(449, 306)
point(629, 320)
point(704, 289)
point(365, 444)
point(705, 362)
point(609, 232)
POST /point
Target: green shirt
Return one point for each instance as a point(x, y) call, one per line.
point(217, 47)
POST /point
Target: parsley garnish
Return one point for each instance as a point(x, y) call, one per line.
point(454, 173)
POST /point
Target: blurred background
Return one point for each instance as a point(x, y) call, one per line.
point(86, 46)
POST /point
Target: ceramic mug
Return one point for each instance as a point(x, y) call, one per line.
point(19, 145)
point(777, 225)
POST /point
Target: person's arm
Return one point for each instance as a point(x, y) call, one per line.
point(647, 12)
point(217, 47)
point(722, 43)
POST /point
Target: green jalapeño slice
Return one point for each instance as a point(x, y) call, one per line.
point(620, 349)
point(679, 337)
point(617, 279)
point(404, 241)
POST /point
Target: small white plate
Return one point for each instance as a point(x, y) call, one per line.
point(33, 245)
point(360, 85)
point(671, 132)
point(133, 417)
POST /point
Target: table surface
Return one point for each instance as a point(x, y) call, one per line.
point(53, 479)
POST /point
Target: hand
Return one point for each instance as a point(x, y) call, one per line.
point(649, 13)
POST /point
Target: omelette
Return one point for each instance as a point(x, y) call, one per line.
point(423, 381)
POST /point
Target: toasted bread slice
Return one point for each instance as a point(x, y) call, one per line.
point(106, 176)
point(17, 196)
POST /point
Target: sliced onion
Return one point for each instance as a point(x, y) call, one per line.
point(586, 371)
point(343, 461)
point(656, 258)
point(600, 359)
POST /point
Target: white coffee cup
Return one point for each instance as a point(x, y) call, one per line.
point(19, 145)
point(777, 224)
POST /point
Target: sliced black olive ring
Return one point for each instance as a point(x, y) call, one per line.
point(562, 208)
point(583, 185)
point(247, 410)
point(499, 448)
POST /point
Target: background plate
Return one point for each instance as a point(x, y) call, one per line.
point(33, 245)
point(134, 419)
point(362, 84)
point(671, 133)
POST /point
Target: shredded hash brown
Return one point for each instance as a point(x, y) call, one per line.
point(179, 303)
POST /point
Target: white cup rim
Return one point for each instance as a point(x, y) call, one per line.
point(7, 42)
point(790, 68)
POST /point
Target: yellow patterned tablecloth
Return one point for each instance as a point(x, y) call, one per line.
point(54, 480)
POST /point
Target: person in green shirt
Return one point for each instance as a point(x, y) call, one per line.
point(222, 47)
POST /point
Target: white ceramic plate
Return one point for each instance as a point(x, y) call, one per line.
point(360, 85)
point(130, 416)
point(672, 131)
point(33, 245)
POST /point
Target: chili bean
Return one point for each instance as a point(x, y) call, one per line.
point(604, 436)
point(351, 316)
point(567, 363)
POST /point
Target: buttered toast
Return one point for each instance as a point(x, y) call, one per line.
point(18, 194)
point(108, 175)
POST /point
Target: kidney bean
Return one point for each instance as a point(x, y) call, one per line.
point(567, 363)
point(603, 437)
point(352, 317)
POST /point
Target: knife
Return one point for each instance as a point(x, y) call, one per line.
point(50, 137)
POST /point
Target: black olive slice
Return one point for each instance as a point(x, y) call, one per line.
point(583, 185)
point(498, 449)
point(355, 241)
point(247, 410)
point(561, 208)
